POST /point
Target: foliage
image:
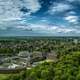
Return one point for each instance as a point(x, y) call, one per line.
point(67, 68)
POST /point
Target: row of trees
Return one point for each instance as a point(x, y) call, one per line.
point(61, 45)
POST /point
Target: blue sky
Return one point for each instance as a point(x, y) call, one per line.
point(39, 17)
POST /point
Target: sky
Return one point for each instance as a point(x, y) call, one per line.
point(39, 17)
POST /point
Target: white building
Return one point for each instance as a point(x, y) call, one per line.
point(13, 66)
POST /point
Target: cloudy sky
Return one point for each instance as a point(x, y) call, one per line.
point(39, 17)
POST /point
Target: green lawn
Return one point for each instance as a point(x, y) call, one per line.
point(3, 76)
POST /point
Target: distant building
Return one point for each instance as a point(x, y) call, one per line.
point(52, 56)
point(36, 54)
point(75, 41)
point(24, 54)
point(12, 66)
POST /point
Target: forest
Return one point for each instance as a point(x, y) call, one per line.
point(65, 67)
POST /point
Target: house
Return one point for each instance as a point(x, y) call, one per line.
point(36, 54)
point(12, 66)
point(75, 41)
point(24, 54)
point(52, 56)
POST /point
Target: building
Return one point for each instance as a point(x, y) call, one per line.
point(36, 54)
point(52, 56)
point(24, 54)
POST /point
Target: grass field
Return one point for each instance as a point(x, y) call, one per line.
point(4, 76)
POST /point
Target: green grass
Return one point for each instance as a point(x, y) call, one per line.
point(3, 76)
point(6, 76)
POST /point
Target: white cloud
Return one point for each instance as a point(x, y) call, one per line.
point(65, 30)
point(51, 28)
point(71, 13)
point(37, 27)
point(21, 27)
point(41, 28)
point(59, 7)
point(10, 9)
point(73, 0)
point(72, 19)
point(10, 19)
point(3, 28)
point(33, 5)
